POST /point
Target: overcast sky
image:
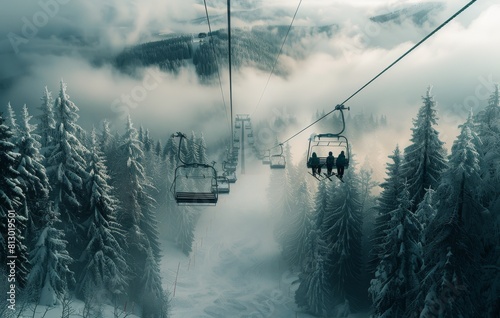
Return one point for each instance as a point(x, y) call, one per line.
point(44, 41)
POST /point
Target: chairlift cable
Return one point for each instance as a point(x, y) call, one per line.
point(277, 57)
point(230, 71)
point(383, 71)
point(216, 61)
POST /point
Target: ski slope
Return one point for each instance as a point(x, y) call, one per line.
point(234, 269)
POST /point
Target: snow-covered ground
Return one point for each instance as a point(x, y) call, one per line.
point(235, 268)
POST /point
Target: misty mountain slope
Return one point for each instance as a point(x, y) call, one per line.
point(417, 13)
point(235, 269)
point(256, 47)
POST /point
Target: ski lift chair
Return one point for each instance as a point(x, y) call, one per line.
point(322, 144)
point(277, 161)
point(195, 184)
point(223, 186)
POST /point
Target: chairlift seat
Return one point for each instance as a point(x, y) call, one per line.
point(189, 198)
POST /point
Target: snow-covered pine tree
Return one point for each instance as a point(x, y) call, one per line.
point(32, 177)
point(106, 138)
point(294, 245)
point(170, 150)
point(426, 211)
point(387, 202)
point(148, 142)
point(488, 129)
point(11, 122)
point(137, 207)
point(185, 221)
point(314, 291)
point(103, 259)
point(158, 149)
point(202, 149)
point(50, 276)
point(140, 136)
point(46, 120)
point(66, 170)
point(283, 183)
point(451, 270)
point(396, 277)
point(154, 299)
point(341, 230)
point(425, 158)
point(11, 198)
point(193, 149)
point(170, 208)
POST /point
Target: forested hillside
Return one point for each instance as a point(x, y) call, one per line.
point(256, 47)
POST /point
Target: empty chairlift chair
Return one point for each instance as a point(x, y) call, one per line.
point(194, 183)
point(223, 186)
point(266, 158)
point(277, 161)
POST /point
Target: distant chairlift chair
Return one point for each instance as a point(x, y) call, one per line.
point(278, 161)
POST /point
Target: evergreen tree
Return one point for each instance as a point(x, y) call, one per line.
point(141, 135)
point(11, 121)
point(396, 278)
point(282, 183)
point(137, 208)
point(314, 291)
point(342, 232)
point(32, 177)
point(11, 198)
point(193, 151)
point(103, 262)
point(387, 202)
point(170, 151)
point(154, 300)
point(452, 257)
point(294, 246)
point(50, 276)
point(158, 149)
point(202, 149)
point(66, 170)
point(106, 137)
point(171, 209)
point(148, 142)
point(426, 212)
point(186, 218)
point(424, 159)
point(46, 120)
point(488, 129)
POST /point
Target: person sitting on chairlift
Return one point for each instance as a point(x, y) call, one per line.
point(314, 163)
point(340, 164)
point(329, 163)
